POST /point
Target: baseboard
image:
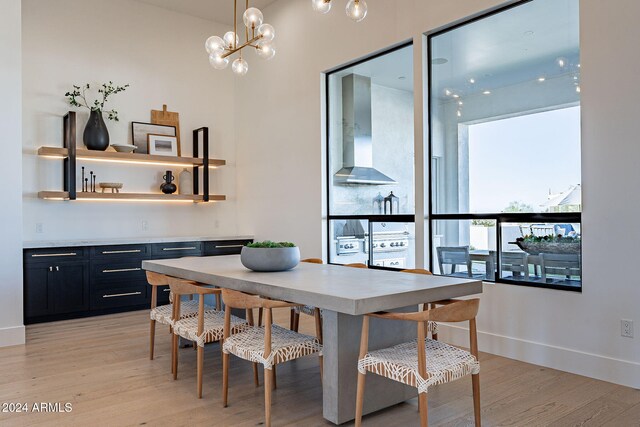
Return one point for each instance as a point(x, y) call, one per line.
point(618, 371)
point(12, 336)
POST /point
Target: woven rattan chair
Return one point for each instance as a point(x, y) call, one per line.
point(268, 345)
point(163, 314)
point(424, 362)
point(309, 310)
point(432, 327)
point(206, 327)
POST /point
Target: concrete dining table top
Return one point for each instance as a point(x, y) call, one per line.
point(344, 294)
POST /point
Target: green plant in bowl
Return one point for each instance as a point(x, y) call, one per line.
point(270, 244)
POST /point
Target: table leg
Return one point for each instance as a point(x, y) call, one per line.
point(341, 334)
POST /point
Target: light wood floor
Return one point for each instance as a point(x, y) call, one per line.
point(101, 366)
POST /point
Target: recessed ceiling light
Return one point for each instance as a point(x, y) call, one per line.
point(455, 95)
point(460, 103)
point(562, 62)
point(541, 79)
point(439, 61)
point(472, 80)
point(578, 89)
point(447, 92)
point(486, 92)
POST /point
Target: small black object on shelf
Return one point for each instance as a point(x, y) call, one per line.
point(394, 204)
point(168, 187)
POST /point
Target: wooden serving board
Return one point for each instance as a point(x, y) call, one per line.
point(167, 118)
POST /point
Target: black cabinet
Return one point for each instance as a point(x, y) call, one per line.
point(55, 288)
point(65, 283)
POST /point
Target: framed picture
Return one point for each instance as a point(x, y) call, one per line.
point(141, 131)
point(163, 145)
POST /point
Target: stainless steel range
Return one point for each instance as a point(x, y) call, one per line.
point(391, 244)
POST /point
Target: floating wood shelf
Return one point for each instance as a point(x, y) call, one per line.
point(133, 197)
point(114, 156)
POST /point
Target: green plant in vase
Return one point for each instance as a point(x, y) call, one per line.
point(96, 136)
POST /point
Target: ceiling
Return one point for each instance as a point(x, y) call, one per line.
point(213, 10)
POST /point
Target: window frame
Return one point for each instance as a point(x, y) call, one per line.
point(397, 218)
point(500, 218)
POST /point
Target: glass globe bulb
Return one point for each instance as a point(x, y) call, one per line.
point(252, 18)
point(357, 10)
point(214, 44)
point(240, 67)
point(231, 39)
point(267, 32)
point(265, 49)
point(218, 62)
point(321, 6)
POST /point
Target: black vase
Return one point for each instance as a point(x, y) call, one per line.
point(96, 135)
point(168, 187)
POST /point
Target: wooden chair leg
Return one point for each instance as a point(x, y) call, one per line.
point(360, 398)
point(475, 379)
point(200, 369)
point(267, 396)
point(152, 338)
point(424, 409)
point(218, 302)
point(292, 316)
point(225, 379)
point(318, 319)
point(256, 380)
point(273, 377)
point(296, 322)
point(260, 316)
point(175, 356)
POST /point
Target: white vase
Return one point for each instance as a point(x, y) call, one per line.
point(185, 182)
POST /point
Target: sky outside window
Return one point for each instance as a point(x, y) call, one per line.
point(522, 159)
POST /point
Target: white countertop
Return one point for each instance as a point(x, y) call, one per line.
point(125, 241)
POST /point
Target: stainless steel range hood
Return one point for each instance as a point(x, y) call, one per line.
point(357, 143)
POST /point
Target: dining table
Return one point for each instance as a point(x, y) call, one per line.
point(344, 294)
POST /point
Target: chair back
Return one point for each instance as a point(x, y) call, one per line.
point(515, 262)
point(562, 264)
point(155, 280)
point(313, 260)
point(454, 256)
point(417, 271)
point(356, 265)
point(242, 300)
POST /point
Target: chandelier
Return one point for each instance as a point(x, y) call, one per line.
point(258, 36)
point(356, 9)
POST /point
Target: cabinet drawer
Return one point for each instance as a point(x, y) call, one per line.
point(224, 247)
point(120, 251)
point(176, 250)
point(108, 272)
point(119, 297)
point(52, 255)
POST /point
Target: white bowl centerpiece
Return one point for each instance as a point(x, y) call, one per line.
point(270, 256)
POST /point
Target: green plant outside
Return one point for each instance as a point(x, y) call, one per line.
point(270, 244)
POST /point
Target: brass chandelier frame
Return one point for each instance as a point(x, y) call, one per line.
point(248, 42)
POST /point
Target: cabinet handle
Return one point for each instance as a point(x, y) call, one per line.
point(228, 246)
point(52, 255)
point(132, 251)
point(190, 248)
point(57, 268)
point(50, 268)
point(122, 295)
point(166, 290)
point(121, 270)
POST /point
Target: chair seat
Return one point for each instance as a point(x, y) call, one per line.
point(213, 327)
point(445, 363)
point(285, 345)
point(162, 314)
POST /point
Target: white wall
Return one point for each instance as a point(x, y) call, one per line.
point(280, 171)
point(11, 327)
point(161, 55)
